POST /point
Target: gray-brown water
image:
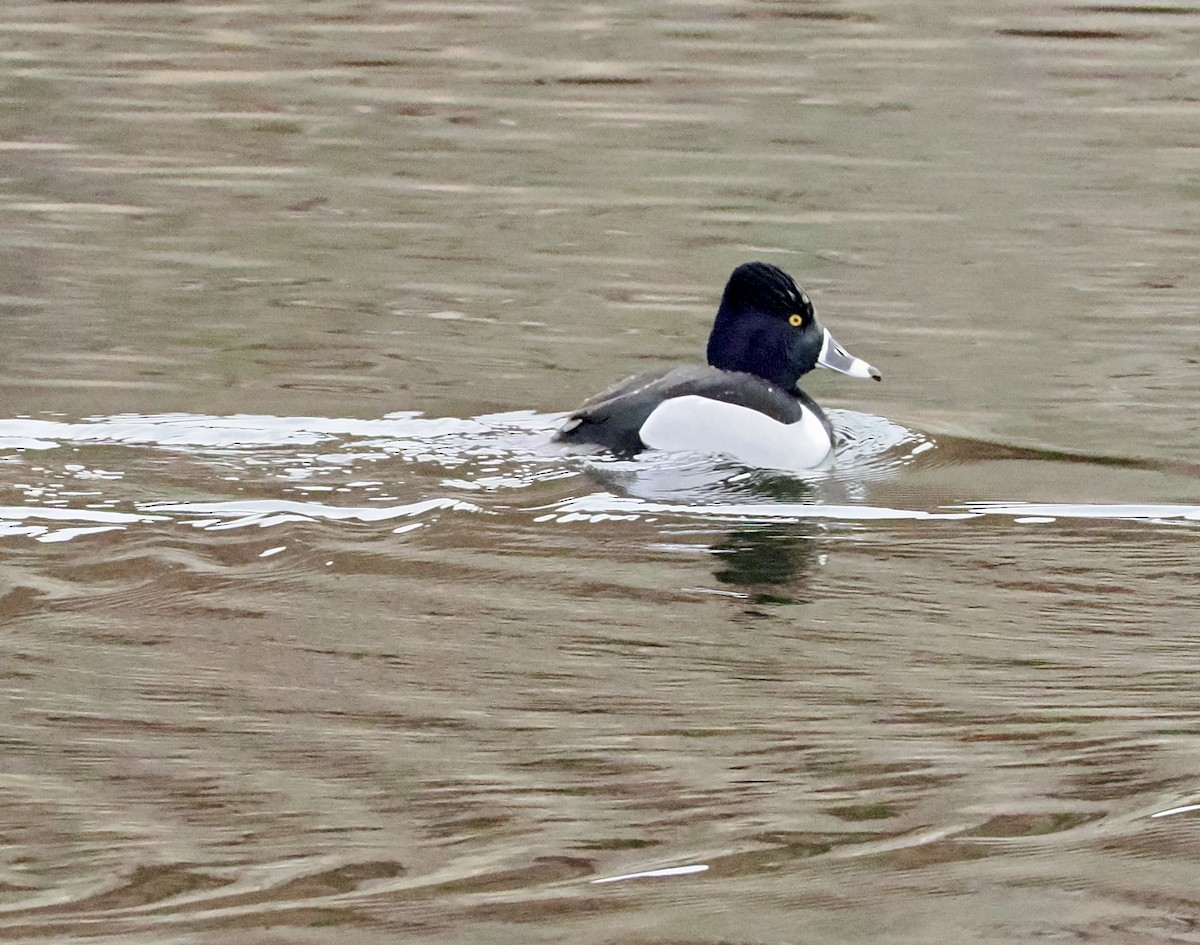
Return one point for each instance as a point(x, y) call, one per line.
point(310, 635)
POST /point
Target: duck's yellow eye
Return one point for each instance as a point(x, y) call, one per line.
point(795, 321)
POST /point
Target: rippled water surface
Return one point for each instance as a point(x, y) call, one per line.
point(310, 634)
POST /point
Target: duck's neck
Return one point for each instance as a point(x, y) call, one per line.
point(743, 345)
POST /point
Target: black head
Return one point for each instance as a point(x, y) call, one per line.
point(766, 325)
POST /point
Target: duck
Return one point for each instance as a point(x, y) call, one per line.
point(744, 404)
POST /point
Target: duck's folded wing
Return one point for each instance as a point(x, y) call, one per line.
point(611, 420)
point(632, 383)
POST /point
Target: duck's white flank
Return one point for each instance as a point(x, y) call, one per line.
point(700, 425)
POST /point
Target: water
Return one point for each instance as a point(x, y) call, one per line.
point(308, 629)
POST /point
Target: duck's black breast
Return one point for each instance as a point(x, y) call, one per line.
point(611, 420)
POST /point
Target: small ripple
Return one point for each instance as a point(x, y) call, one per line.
point(263, 513)
point(871, 447)
point(605, 506)
point(965, 451)
point(47, 524)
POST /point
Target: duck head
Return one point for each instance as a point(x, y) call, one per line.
point(767, 326)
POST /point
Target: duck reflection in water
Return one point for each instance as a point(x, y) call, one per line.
point(772, 562)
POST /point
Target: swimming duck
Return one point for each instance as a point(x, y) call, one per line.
point(745, 403)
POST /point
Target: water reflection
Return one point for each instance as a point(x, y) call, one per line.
point(775, 562)
point(781, 556)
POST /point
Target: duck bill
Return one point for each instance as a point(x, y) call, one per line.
point(837, 358)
